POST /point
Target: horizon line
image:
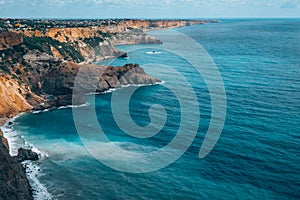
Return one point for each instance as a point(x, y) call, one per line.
point(145, 18)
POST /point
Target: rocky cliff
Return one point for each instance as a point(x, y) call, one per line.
point(133, 37)
point(13, 98)
point(13, 182)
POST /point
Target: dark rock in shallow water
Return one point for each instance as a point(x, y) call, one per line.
point(125, 55)
point(26, 154)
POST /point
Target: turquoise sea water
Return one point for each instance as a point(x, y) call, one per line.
point(257, 155)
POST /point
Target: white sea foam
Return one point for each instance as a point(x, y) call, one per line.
point(41, 111)
point(125, 86)
point(108, 91)
point(59, 108)
point(72, 106)
point(42, 155)
point(39, 190)
point(13, 139)
point(141, 85)
point(154, 52)
point(129, 85)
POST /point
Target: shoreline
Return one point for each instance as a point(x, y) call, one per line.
point(28, 166)
point(31, 169)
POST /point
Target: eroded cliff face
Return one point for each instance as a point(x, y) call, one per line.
point(13, 98)
point(105, 50)
point(134, 37)
point(66, 34)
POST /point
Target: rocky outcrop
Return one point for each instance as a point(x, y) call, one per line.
point(13, 182)
point(9, 39)
point(26, 154)
point(93, 78)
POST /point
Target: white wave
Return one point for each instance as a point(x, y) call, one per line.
point(41, 111)
point(125, 86)
point(154, 52)
point(59, 108)
point(161, 83)
point(72, 106)
point(108, 91)
point(42, 155)
point(140, 85)
point(39, 190)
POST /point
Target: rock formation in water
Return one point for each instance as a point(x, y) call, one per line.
point(26, 154)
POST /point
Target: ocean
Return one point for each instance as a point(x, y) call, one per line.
point(256, 157)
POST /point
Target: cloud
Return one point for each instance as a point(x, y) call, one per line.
point(290, 4)
point(149, 8)
point(159, 3)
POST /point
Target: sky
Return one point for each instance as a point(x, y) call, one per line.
point(149, 8)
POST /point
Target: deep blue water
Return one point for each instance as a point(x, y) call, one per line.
point(257, 155)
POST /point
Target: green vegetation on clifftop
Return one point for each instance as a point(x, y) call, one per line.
point(43, 44)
